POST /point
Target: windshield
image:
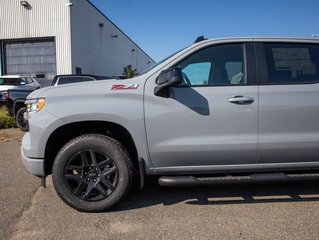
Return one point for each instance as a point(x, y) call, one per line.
point(158, 63)
point(9, 81)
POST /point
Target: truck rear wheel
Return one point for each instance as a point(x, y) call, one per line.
point(92, 173)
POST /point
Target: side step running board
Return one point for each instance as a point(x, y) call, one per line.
point(177, 181)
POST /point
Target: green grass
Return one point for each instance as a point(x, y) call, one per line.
point(5, 120)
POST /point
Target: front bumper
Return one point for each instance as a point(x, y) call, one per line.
point(34, 166)
point(42, 124)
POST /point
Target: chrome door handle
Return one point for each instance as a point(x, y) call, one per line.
point(241, 100)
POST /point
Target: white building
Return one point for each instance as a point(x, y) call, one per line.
point(48, 37)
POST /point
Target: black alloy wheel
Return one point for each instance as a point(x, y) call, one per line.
point(20, 121)
point(91, 175)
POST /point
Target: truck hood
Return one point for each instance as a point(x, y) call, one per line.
point(86, 88)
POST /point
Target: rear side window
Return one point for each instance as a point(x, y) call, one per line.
point(74, 79)
point(29, 80)
point(292, 63)
point(9, 81)
point(67, 80)
point(87, 79)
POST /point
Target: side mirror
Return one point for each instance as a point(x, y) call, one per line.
point(22, 83)
point(166, 79)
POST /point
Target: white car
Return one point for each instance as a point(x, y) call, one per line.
point(16, 81)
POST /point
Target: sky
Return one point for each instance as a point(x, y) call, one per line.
point(163, 27)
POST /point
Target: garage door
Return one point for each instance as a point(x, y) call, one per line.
point(36, 58)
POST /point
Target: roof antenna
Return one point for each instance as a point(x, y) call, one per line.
point(199, 39)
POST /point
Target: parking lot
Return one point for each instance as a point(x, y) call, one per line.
point(254, 211)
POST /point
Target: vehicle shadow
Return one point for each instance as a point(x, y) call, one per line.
point(241, 193)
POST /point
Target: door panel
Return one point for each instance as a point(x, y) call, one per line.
point(289, 129)
point(198, 126)
point(289, 106)
point(212, 118)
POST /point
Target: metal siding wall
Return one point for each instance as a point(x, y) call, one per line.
point(93, 48)
point(44, 18)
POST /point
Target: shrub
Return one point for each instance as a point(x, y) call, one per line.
point(129, 72)
point(5, 120)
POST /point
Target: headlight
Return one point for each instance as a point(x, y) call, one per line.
point(35, 105)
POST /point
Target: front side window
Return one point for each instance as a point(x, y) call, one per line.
point(22, 81)
point(292, 63)
point(197, 72)
point(216, 65)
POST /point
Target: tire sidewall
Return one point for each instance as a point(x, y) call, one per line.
point(98, 143)
point(21, 111)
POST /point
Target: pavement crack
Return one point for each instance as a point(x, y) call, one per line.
point(20, 214)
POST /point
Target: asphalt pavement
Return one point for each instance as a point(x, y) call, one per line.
point(242, 211)
point(17, 187)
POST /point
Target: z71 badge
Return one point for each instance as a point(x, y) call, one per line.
point(124, 86)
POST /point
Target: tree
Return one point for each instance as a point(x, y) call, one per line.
point(128, 72)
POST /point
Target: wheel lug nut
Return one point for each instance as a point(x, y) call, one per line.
point(88, 179)
point(94, 180)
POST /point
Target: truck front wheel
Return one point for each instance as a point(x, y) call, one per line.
point(92, 173)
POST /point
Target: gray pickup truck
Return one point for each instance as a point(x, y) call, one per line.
point(235, 109)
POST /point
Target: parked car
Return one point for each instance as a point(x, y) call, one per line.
point(72, 78)
point(235, 109)
point(18, 82)
point(16, 97)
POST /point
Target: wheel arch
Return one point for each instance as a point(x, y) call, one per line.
point(19, 103)
point(60, 136)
